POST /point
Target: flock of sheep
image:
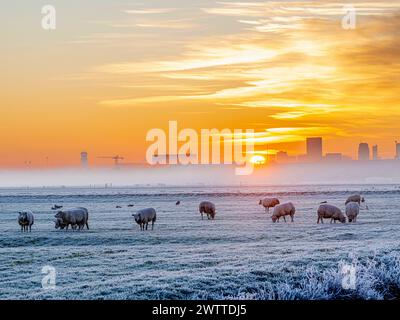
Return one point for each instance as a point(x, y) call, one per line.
point(325, 210)
point(78, 217)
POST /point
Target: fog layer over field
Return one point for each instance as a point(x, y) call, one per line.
point(345, 172)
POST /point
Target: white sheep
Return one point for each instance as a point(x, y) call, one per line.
point(144, 216)
point(328, 211)
point(76, 217)
point(352, 211)
point(25, 220)
point(355, 198)
point(269, 203)
point(282, 210)
point(208, 208)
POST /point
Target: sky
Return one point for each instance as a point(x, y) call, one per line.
point(113, 70)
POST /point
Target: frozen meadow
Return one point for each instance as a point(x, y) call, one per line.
point(240, 255)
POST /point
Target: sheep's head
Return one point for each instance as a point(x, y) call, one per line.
point(59, 224)
point(277, 202)
point(260, 202)
point(138, 218)
point(59, 215)
point(362, 199)
point(343, 219)
point(274, 218)
point(22, 216)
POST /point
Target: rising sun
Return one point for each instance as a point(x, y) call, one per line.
point(257, 159)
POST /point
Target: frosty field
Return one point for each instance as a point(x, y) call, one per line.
point(241, 254)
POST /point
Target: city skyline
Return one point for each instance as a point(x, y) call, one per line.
point(314, 151)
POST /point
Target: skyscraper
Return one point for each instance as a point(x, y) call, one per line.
point(375, 153)
point(363, 152)
point(314, 149)
point(84, 159)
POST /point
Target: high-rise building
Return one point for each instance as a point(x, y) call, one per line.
point(363, 152)
point(314, 149)
point(375, 153)
point(84, 159)
point(397, 150)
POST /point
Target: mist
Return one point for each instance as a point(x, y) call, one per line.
point(345, 172)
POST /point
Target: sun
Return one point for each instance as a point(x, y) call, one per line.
point(257, 160)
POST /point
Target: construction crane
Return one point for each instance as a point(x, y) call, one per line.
point(116, 159)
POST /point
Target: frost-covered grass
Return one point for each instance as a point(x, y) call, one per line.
point(377, 278)
point(240, 255)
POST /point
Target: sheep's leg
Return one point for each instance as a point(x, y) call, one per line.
point(284, 218)
point(152, 225)
point(147, 224)
point(202, 218)
point(291, 217)
point(87, 225)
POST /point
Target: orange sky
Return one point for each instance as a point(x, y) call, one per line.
point(110, 72)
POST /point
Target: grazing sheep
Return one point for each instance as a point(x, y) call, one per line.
point(59, 224)
point(144, 216)
point(352, 211)
point(355, 198)
point(178, 203)
point(328, 211)
point(118, 207)
point(208, 208)
point(269, 203)
point(130, 205)
point(76, 217)
point(25, 220)
point(282, 210)
point(55, 207)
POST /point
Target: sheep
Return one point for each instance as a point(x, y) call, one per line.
point(355, 198)
point(76, 217)
point(328, 211)
point(25, 220)
point(208, 208)
point(144, 216)
point(178, 203)
point(352, 211)
point(282, 210)
point(55, 207)
point(269, 203)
